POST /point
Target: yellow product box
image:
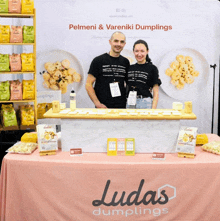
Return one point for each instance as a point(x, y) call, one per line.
point(112, 146)
point(47, 137)
point(186, 141)
point(129, 146)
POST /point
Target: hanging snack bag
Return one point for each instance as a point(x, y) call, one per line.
point(16, 90)
point(27, 6)
point(16, 34)
point(14, 6)
point(28, 34)
point(9, 115)
point(27, 62)
point(15, 62)
point(28, 89)
point(3, 6)
point(4, 33)
point(4, 62)
point(4, 91)
point(27, 115)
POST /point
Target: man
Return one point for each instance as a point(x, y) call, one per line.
point(109, 73)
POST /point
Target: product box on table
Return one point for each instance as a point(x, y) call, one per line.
point(186, 141)
point(47, 137)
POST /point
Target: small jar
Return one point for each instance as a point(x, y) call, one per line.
point(188, 107)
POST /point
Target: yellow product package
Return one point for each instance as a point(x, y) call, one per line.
point(28, 89)
point(4, 33)
point(27, 115)
point(27, 6)
point(27, 62)
point(41, 110)
point(29, 138)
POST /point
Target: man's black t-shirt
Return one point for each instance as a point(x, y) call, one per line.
point(107, 69)
point(142, 78)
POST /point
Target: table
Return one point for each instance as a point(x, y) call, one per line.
point(89, 128)
point(100, 187)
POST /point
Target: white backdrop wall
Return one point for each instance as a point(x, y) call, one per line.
point(195, 26)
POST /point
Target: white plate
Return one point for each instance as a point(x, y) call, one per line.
point(190, 91)
point(59, 55)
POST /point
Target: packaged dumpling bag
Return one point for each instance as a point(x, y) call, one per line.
point(4, 33)
point(27, 62)
point(4, 91)
point(4, 62)
point(15, 62)
point(9, 115)
point(14, 6)
point(27, 115)
point(28, 34)
point(16, 90)
point(3, 6)
point(16, 34)
point(27, 6)
point(28, 89)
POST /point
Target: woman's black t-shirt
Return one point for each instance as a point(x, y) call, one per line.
point(142, 78)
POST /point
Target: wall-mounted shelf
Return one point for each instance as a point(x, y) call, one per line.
point(10, 15)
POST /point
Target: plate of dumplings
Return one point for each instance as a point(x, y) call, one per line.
point(59, 70)
point(183, 72)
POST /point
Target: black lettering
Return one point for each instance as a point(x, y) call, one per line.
point(137, 193)
point(152, 199)
point(113, 203)
point(165, 196)
point(100, 202)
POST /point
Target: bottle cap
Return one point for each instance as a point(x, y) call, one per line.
point(72, 91)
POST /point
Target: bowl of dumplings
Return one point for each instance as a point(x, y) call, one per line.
point(58, 75)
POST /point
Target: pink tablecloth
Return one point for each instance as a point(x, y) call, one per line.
point(99, 187)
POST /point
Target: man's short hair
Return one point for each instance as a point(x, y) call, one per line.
point(117, 32)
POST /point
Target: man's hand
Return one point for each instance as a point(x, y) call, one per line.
point(100, 105)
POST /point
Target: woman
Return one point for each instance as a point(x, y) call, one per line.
point(143, 79)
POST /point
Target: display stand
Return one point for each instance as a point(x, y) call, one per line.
point(153, 130)
point(186, 155)
point(46, 153)
point(33, 16)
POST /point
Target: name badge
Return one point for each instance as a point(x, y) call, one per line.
point(115, 90)
point(132, 98)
